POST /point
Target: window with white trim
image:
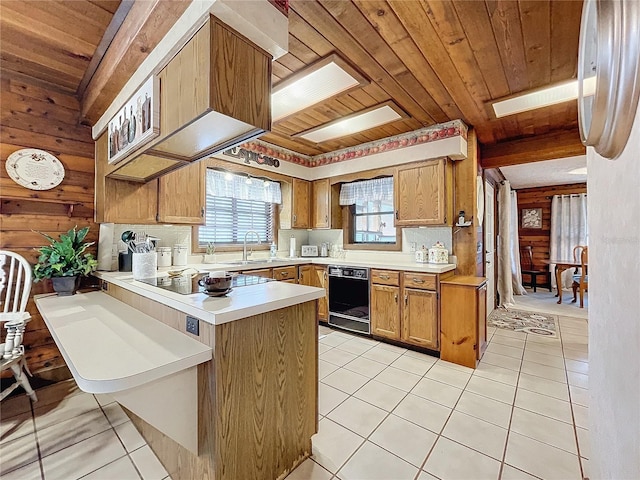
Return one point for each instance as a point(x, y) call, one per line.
point(372, 210)
point(236, 204)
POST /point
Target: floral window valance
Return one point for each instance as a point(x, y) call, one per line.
point(367, 190)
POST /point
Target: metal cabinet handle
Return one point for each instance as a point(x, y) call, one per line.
point(202, 212)
point(284, 274)
point(395, 297)
point(418, 280)
point(326, 218)
point(295, 219)
point(406, 299)
point(384, 277)
point(396, 214)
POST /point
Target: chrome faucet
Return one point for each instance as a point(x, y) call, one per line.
point(244, 249)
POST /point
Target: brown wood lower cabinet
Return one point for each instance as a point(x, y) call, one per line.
point(316, 276)
point(420, 318)
point(464, 319)
point(404, 307)
point(385, 311)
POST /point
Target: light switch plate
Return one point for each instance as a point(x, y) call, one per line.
point(193, 325)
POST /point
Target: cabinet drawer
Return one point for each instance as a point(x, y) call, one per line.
point(263, 272)
point(426, 281)
point(385, 277)
point(285, 273)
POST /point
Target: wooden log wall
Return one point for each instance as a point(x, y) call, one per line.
point(540, 239)
point(32, 116)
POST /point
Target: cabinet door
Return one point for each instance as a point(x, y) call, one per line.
point(420, 194)
point(321, 205)
point(385, 311)
point(181, 195)
point(420, 318)
point(300, 215)
point(305, 275)
point(320, 281)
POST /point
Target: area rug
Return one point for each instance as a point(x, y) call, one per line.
point(528, 322)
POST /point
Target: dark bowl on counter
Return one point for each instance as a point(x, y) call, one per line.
point(216, 284)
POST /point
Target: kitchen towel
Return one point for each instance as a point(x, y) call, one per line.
point(105, 247)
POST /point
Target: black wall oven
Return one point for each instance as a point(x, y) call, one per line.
point(349, 298)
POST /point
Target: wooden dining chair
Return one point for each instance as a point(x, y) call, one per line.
point(526, 254)
point(581, 280)
point(15, 287)
point(577, 255)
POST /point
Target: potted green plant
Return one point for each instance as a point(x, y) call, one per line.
point(64, 261)
point(209, 256)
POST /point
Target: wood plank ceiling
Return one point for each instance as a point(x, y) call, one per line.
point(52, 41)
point(438, 60)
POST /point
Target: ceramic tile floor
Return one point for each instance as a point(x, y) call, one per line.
point(385, 413)
point(391, 414)
point(69, 434)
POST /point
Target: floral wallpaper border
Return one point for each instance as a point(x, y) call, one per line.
point(454, 128)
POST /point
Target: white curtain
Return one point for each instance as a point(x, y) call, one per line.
point(505, 285)
point(509, 274)
point(242, 187)
point(514, 242)
point(568, 229)
point(378, 189)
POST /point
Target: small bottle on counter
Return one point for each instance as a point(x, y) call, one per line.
point(273, 250)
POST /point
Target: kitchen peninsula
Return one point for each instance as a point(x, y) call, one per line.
point(256, 398)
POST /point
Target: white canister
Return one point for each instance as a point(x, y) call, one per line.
point(438, 254)
point(164, 256)
point(144, 265)
point(179, 255)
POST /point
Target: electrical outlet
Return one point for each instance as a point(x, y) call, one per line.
point(412, 247)
point(193, 325)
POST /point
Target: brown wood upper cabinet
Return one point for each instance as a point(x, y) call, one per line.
point(216, 92)
point(295, 211)
point(181, 195)
point(424, 193)
point(178, 197)
point(326, 208)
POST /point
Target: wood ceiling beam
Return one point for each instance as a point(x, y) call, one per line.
point(145, 25)
point(558, 144)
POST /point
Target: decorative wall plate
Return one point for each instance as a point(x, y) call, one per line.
point(35, 169)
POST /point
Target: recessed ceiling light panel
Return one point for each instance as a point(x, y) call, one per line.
point(364, 120)
point(545, 97)
point(320, 81)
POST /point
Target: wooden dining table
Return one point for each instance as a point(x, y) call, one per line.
point(561, 266)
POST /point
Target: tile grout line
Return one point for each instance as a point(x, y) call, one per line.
point(573, 417)
point(35, 434)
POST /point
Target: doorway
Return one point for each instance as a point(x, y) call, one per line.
point(489, 243)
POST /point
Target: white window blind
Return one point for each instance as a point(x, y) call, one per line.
point(232, 212)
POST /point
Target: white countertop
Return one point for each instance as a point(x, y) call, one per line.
point(110, 346)
point(240, 303)
point(283, 262)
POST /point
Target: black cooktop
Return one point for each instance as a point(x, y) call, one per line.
point(186, 285)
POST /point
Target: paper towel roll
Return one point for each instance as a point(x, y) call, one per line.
point(105, 247)
point(292, 247)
